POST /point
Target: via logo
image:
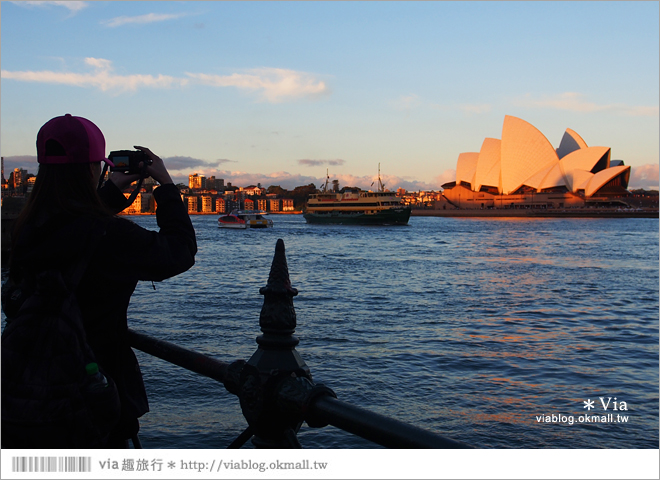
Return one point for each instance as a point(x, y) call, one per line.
point(616, 405)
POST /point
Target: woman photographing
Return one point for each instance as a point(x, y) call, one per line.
point(67, 225)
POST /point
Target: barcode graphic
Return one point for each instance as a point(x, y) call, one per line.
point(51, 464)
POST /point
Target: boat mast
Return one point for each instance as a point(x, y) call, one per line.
point(327, 178)
point(381, 187)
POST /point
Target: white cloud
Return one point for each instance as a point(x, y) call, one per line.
point(317, 163)
point(390, 182)
point(102, 78)
point(243, 179)
point(575, 102)
point(184, 163)
point(73, 7)
point(142, 19)
point(644, 176)
point(445, 177)
point(290, 181)
point(407, 102)
point(275, 85)
point(99, 63)
point(475, 108)
point(465, 108)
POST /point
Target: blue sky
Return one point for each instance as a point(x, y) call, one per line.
point(278, 92)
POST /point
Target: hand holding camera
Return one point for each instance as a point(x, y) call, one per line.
point(129, 161)
point(131, 165)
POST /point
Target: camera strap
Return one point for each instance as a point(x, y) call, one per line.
point(135, 192)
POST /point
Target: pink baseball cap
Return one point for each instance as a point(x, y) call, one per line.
point(69, 139)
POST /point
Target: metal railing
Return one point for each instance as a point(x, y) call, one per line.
point(275, 386)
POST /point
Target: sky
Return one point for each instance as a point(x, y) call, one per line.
point(281, 93)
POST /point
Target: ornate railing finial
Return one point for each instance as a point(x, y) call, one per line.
point(278, 316)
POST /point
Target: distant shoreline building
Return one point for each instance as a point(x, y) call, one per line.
point(523, 168)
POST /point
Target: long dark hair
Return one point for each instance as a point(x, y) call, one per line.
point(60, 189)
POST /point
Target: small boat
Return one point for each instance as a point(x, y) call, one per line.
point(245, 219)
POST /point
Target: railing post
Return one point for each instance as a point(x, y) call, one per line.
point(275, 381)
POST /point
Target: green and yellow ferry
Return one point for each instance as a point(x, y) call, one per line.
point(356, 207)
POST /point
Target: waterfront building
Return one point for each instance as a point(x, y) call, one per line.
point(149, 184)
point(421, 199)
point(220, 205)
point(141, 204)
point(207, 204)
point(524, 168)
point(192, 204)
point(18, 178)
point(213, 183)
point(30, 184)
point(232, 204)
point(262, 204)
point(274, 205)
point(287, 204)
point(253, 191)
point(196, 182)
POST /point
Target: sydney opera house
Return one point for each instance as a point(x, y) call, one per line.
point(524, 169)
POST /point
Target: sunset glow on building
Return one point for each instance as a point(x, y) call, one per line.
point(506, 171)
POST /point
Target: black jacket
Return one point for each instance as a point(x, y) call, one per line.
point(123, 254)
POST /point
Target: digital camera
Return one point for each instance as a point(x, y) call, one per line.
point(128, 161)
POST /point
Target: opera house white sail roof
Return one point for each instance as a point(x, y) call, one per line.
point(524, 160)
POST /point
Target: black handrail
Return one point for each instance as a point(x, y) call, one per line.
point(188, 359)
point(275, 386)
point(377, 428)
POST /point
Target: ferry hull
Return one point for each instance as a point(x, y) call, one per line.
point(388, 217)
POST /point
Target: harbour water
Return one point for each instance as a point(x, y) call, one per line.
point(497, 332)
